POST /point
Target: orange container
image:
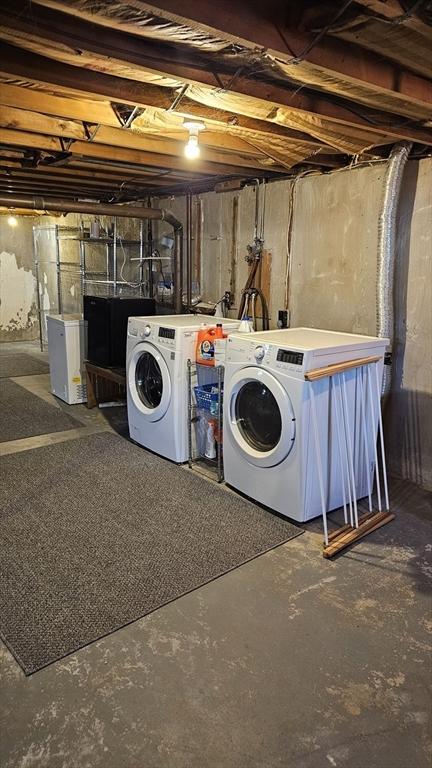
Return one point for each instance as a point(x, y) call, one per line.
point(205, 346)
point(219, 334)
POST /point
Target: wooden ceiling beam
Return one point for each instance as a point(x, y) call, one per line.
point(257, 26)
point(102, 113)
point(81, 44)
point(394, 11)
point(28, 139)
point(21, 119)
point(15, 62)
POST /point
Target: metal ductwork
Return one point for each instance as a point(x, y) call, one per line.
point(101, 209)
point(387, 251)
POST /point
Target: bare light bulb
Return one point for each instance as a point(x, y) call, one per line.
point(192, 150)
point(12, 221)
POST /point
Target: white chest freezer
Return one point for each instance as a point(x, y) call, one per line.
point(67, 349)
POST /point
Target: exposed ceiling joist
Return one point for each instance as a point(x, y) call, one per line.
point(22, 138)
point(37, 122)
point(78, 43)
point(19, 63)
point(255, 27)
point(220, 133)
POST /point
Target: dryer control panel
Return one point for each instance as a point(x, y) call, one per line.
point(288, 356)
point(267, 356)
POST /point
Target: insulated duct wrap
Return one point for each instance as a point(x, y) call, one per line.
point(387, 249)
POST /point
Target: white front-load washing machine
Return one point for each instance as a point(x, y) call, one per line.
point(269, 450)
point(157, 352)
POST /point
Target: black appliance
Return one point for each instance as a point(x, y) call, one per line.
point(107, 319)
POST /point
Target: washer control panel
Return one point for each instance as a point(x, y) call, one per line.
point(259, 353)
point(166, 333)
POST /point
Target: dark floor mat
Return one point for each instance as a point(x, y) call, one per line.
point(20, 364)
point(23, 414)
point(96, 533)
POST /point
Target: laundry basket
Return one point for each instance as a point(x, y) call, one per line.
point(207, 397)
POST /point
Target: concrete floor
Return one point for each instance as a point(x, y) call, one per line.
point(290, 660)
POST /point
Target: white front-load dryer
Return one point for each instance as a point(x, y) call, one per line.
point(158, 348)
point(269, 451)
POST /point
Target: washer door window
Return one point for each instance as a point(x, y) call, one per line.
point(149, 381)
point(261, 417)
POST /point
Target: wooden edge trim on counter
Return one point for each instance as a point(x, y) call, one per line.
point(331, 370)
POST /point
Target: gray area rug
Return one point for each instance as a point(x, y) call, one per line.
point(23, 414)
point(20, 364)
point(97, 532)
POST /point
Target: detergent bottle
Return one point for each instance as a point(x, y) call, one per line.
point(205, 345)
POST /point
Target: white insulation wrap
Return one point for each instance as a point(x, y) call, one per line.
point(387, 248)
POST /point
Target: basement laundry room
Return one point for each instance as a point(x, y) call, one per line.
point(215, 384)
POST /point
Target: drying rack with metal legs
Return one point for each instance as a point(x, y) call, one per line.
point(198, 411)
point(369, 416)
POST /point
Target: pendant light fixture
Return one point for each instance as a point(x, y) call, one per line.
point(192, 150)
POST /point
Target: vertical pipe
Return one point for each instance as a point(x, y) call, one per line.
point(81, 268)
point(188, 251)
point(115, 258)
point(150, 251)
point(141, 257)
point(59, 289)
point(219, 423)
point(38, 301)
point(39, 310)
point(178, 267)
point(387, 249)
point(107, 264)
point(84, 281)
point(233, 264)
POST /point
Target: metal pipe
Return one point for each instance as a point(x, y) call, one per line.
point(387, 249)
point(105, 209)
point(58, 273)
point(115, 256)
point(188, 251)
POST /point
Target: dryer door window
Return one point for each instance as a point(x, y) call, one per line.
point(148, 380)
point(258, 416)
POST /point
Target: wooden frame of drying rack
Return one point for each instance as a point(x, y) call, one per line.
point(355, 527)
